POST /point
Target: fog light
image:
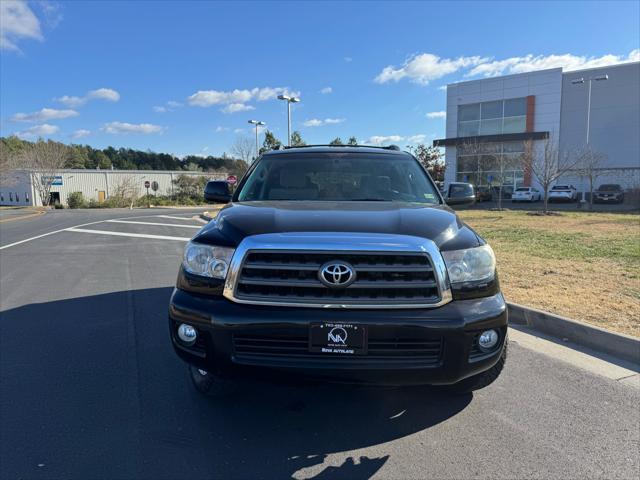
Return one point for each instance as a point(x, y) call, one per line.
point(488, 339)
point(187, 334)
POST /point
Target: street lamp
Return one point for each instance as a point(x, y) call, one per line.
point(257, 123)
point(289, 101)
point(580, 81)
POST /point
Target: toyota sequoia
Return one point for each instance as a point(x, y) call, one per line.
point(339, 264)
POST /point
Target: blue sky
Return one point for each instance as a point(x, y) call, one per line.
point(184, 77)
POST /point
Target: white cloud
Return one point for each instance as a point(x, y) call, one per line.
point(80, 133)
point(43, 130)
point(236, 107)
point(426, 67)
point(326, 90)
point(107, 94)
point(169, 106)
point(17, 22)
point(316, 122)
point(440, 114)
point(239, 130)
point(382, 139)
point(420, 138)
point(126, 128)
point(104, 94)
point(532, 62)
point(221, 129)
point(44, 115)
point(208, 98)
point(443, 88)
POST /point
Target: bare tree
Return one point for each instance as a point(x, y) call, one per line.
point(124, 192)
point(43, 162)
point(548, 165)
point(244, 148)
point(589, 167)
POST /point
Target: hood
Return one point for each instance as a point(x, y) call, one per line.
point(438, 223)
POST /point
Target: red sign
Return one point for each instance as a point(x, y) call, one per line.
point(232, 179)
point(147, 184)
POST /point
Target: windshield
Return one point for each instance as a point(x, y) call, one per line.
point(610, 187)
point(339, 177)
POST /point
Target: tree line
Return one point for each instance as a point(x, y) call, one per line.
point(12, 151)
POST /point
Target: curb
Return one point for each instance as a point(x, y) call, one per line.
point(209, 215)
point(619, 345)
point(33, 213)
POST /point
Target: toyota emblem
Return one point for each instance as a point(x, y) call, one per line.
point(336, 274)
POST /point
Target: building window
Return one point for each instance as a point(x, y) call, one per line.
point(11, 196)
point(481, 164)
point(492, 118)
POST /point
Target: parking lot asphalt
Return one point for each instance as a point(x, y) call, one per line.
point(90, 386)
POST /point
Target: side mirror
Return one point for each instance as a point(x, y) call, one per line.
point(217, 191)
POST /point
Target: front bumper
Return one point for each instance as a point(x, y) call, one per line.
point(454, 327)
point(607, 198)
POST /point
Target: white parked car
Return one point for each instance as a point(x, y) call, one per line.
point(526, 194)
point(563, 193)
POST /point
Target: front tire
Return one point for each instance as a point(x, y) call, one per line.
point(481, 380)
point(210, 384)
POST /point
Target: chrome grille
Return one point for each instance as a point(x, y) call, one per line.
point(293, 276)
point(392, 271)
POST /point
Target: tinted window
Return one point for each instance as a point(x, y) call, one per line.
point(522, 189)
point(515, 107)
point(469, 112)
point(460, 190)
point(339, 177)
point(217, 187)
point(610, 187)
point(491, 109)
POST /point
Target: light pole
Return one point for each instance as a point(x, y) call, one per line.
point(257, 123)
point(580, 81)
point(289, 100)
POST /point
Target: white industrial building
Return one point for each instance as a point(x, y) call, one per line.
point(17, 189)
point(493, 117)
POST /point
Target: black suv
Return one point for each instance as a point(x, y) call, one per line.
point(340, 264)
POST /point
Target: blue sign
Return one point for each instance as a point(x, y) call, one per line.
point(52, 180)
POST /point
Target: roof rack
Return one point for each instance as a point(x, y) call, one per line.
point(387, 147)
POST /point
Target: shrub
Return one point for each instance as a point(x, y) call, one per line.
point(76, 200)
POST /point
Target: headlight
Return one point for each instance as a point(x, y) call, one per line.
point(207, 260)
point(470, 265)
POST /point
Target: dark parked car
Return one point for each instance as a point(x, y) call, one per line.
point(507, 192)
point(458, 193)
point(608, 193)
point(483, 194)
point(339, 264)
point(217, 191)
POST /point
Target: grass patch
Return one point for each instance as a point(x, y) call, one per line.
point(581, 265)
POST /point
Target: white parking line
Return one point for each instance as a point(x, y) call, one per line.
point(154, 223)
point(122, 234)
point(175, 218)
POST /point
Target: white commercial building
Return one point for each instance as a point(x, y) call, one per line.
point(17, 187)
point(498, 117)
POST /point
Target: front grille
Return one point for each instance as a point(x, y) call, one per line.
point(382, 278)
point(399, 350)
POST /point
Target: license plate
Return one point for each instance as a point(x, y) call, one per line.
point(338, 338)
